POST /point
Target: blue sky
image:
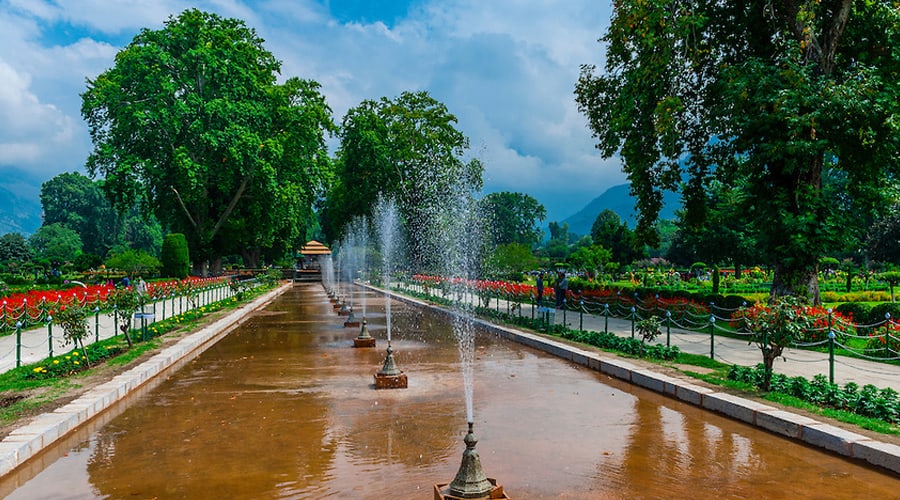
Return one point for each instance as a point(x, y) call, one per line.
point(505, 68)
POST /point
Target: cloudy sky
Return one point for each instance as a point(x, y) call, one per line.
point(505, 68)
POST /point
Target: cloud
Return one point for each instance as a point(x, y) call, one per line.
point(28, 127)
point(505, 68)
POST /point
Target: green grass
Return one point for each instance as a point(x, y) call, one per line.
point(872, 424)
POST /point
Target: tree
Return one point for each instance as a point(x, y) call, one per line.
point(175, 257)
point(514, 218)
point(408, 149)
point(613, 233)
point(56, 243)
point(14, 248)
point(191, 118)
point(78, 203)
point(774, 327)
point(511, 260)
point(557, 246)
point(883, 240)
point(590, 258)
point(772, 92)
point(134, 262)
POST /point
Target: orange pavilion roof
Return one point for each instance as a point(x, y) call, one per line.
point(313, 247)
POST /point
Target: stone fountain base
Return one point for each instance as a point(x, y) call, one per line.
point(345, 312)
point(390, 381)
point(366, 342)
point(337, 306)
point(351, 323)
point(442, 492)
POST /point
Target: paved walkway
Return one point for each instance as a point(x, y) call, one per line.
point(40, 341)
point(795, 362)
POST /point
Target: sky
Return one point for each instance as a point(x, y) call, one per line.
point(505, 68)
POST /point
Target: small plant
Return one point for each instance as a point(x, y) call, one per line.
point(774, 327)
point(126, 302)
point(648, 329)
point(73, 320)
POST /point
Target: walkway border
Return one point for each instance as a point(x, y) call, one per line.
point(40, 433)
point(784, 423)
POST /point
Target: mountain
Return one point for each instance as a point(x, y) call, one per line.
point(20, 202)
point(620, 201)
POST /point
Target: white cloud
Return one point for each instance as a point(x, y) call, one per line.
point(506, 68)
point(28, 127)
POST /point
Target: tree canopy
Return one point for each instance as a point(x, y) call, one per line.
point(771, 92)
point(408, 149)
point(514, 218)
point(78, 203)
point(191, 118)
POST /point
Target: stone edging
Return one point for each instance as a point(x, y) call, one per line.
point(27, 441)
point(784, 423)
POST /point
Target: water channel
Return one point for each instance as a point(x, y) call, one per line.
point(283, 407)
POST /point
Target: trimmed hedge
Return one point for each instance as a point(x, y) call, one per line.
point(175, 257)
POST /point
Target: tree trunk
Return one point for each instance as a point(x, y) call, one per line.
point(797, 282)
point(215, 266)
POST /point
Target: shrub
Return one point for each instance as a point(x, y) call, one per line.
point(858, 312)
point(176, 260)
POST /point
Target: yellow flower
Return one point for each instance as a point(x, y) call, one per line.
point(77, 363)
point(37, 370)
point(68, 357)
point(75, 353)
point(55, 361)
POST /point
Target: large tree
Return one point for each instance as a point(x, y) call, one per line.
point(78, 203)
point(56, 243)
point(408, 149)
point(774, 92)
point(612, 233)
point(14, 248)
point(514, 218)
point(191, 118)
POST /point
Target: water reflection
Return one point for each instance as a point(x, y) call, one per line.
point(284, 407)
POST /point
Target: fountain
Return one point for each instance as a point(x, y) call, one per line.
point(461, 227)
point(389, 376)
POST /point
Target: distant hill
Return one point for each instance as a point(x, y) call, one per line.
point(20, 202)
point(617, 199)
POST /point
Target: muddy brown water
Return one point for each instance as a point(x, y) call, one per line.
point(284, 407)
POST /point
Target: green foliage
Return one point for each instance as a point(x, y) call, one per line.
point(611, 232)
point(222, 153)
point(792, 103)
point(407, 149)
point(591, 258)
point(69, 364)
point(869, 401)
point(648, 329)
point(87, 261)
point(626, 345)
point(514, 218)
point(510, 261)
point(175, 257)
point(55, 243)
point(134, 262)
point(73, 320)
point(78, 203)
point(774, 327)
point(14, 247)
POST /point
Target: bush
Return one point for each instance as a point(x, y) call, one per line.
point(857, 312)
point(176, 259)
point(877, 315)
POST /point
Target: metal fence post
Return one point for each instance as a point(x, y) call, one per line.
point(50, 334)
point(18, 344)
point(668, 327)
point(633, 315)
point(712, 337)
point(96, 323)
point(581, 315)
point(831, 356)
point(115, 321)
point(605, 318)
point(564, 304)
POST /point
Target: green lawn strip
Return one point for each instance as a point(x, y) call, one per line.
point(872, 424)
